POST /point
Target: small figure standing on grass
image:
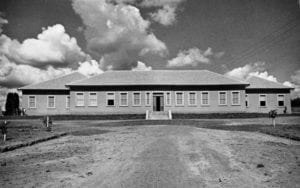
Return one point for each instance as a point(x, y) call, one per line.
point(273, 114)
point(3, 128)
point(47, 121)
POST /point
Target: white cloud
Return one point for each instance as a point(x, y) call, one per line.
point(165, 16)
point(257, 69)
point(245, 71)
point(117, 31)
point(295, 83)
point(53, 46)
point(141, 67)
point(90, 68)
point(191, 57)
point(264, 75)
point(159, 3)
point(13, 75)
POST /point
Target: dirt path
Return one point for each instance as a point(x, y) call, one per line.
point(155, 156)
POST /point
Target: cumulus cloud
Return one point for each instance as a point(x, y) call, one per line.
point(295, 83)
point(52, 46)
point(264, 75)
point(257, 69)
point(141, 67)
point(245, 71)
point(13, 75)
point(117, 31)
point(166, 13)
point(90, 68)
point(191, 57)
point(165, 16)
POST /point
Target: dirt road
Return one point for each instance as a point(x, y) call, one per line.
point(155, 156)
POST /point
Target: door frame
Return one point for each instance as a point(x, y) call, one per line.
point(160, 96)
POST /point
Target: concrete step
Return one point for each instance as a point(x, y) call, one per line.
point(158, 115)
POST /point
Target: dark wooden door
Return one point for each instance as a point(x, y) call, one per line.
point(158, 103)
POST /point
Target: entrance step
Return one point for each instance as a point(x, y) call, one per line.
point(159, 115)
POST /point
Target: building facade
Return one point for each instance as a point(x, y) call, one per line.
point(134, 92)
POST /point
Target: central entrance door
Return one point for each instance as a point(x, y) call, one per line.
point(158, 102)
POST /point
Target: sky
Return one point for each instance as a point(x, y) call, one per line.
point(43, 39)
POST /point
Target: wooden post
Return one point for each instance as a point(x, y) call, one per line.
point(47, 121)
point(4, 129)
point(273, 121)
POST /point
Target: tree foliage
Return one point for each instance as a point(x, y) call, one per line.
point(12, 104)
point(295, 102)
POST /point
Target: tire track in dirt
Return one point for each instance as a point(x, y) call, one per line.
point(160, 166)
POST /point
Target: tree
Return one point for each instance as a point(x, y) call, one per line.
point(12, 104)
point(17, 104)
point(295, 102)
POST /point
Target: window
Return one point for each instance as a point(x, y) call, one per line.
point(136, 99)
point(168, 98)
point(110, 99)
point(92, 99)
point(280, 100)
point(32, 102)
point(51, 102)
point(79, 99)
point(147, 102)
point(246, 100)
point(222, 98)
point(192, 98)
point(235, 98)
point(123, 99)
point(179, 98)
point(68, 101)
point(204, 98)
point(262, 100)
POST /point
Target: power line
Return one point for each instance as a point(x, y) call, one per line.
point(268, 44)
point(268, 39)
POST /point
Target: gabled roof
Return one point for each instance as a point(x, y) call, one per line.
point(158, 77)
point(58, 83)
point(260, 83)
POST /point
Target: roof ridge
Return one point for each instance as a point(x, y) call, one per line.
point(269, 81)
point(56, 78)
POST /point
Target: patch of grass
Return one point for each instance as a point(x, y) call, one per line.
point(19, 131)
point(224, 115)
point(88, 132)
point(81, 117)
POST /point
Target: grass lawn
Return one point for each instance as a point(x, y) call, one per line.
point(26, 130)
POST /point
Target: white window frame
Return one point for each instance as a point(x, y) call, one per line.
point(260, 100)
point(150, 97)
point(166, 100)
point(68, 101)
point(114, 94)
point(76, 99)
point(176, 96)
point(282, 100)
point(219, 98)
point(189, 99)
point(239, 98)
point(247, 100)
point(34, 101)
point(89, 101)
point(53, 101)
point(202, 104)
point(120, 100)
point(140, 98)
